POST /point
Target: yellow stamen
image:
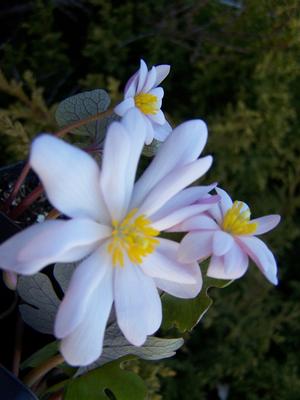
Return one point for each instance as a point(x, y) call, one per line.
point(147, 103)
point(237, 222)
point(134, 237)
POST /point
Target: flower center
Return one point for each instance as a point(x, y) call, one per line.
point(146, 102)
point(134, 237)
point(237, 221)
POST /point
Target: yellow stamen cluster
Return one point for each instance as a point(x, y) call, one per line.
point(133, 236)
point(237, 222)
point(146, 102)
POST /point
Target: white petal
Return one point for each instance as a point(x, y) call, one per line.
point(114, 183)
point(161, 132)
point(122, 108)
point(52, 241)
point(265, 224)
point(197, 223)
point(143, 73)
point(235, 262)
point(149, 130)
point(225, 202)
point(84, 281)
point(163, 264)
point(131, 85)
point(216, 268)
point(161, 73)
point(170, 185)
point(137, 303)
point(195, 246)
point(261, 255)
point(157, 92)
point(216, 213)
point(84, 345)
point(150, 80)
point(181, 147)
point(222, 243)
point(70, 177)
point(158, 118)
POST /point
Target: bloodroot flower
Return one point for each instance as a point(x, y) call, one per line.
point(142, 92)
point(227, 234)
point(114, 229)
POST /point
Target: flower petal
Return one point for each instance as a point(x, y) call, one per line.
point(163, 264)
point(84, 281)
point(150, 80)
point(161, 132)
point(261, 255)
point(137, 303)
point(143, 73)
point(195, 246)
point(131, 85)
point(171, 184)
point(181, 147)
point(197, 223)
point(235, 262)
point(158, 118)
point(52, 241)
point(225, 200)
point(221, 243)
point(157, 92)
point(70, 177)
point(84, 345)
point(125, 105)
point(266, 224)
point(162, 71)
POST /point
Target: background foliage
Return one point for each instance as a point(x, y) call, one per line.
point(234, 64)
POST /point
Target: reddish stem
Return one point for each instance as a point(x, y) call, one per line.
point(17, 186)
point(34, 195)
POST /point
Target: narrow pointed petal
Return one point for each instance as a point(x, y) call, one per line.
point(161, 132)
point(195, 246)
point(225, 202)
point(266, 224)
point(182, 147)
point(158, 118)
point(235, 262)
point(143, 73)
point(162, 72)
point(149, 130)
point(52, 241)
point(163, 264)
point(222, 242)
point(173, 183)
point(122, 108)
point(261, 255)
point(86, 278)
point(131, 86)
point(137, 303)
point(70, 177)
point(84, 345)
point(150, 80)
point(197, 223)
point(216, 212)
point(114, 183)
point(157, 92)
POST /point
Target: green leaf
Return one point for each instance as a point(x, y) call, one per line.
point(41, 355)
point(185, 314)
point(81, 106)
point(124, 385)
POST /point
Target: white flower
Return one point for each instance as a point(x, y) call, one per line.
point(113, 226)
point(142, 92)
point(227, 234)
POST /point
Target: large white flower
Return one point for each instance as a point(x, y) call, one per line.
point(226, 233)
point(142, 92)
point(114, 228)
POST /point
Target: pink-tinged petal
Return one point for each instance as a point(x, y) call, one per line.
point(86, 278)
point(84, 345)
point(70, 177)
point(222, 243)
point(216, 213)
point(131, 85)
point(181, 147)
point(201, 222)
point(150, 80)
point(184, 198)
point(162, 72)
point(157, 92)
point(143, 73)
point(122, 108)
point(161, 132)
point(177, 217)
point(114, 174)
point(52, 241)
point(266, 224)
point(261, 255)
point(216, 268)
point(235, 262)
point(225, 202)
point(170, 185)
point(158, 118)
point(195, 246)
point(137, 303)
point(163, 264)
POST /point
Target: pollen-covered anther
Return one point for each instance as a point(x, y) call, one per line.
point(134, 237)
point(237, 222)
point(147, 103)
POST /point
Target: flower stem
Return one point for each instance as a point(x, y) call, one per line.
point(37, 373)
point(59, 133)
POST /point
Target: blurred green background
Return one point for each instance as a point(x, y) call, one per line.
point(236, 64)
